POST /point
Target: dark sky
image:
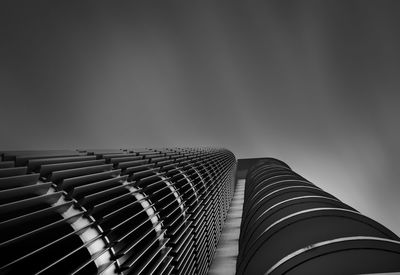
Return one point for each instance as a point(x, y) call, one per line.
point(314, 83)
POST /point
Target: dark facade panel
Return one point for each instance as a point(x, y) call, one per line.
point(133, 211)
point(290, 226)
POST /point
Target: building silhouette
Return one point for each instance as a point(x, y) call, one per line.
point(162, 211)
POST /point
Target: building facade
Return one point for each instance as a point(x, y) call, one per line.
point(162, 210)
point(290, 226)
point(134, 211)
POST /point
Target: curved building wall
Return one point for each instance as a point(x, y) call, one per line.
point(290, 226)
point(133, 211)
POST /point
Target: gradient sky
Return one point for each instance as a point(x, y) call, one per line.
point(313, 83)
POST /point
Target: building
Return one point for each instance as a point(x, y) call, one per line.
point(136, 211)
point(162, 211)
point(290, 226)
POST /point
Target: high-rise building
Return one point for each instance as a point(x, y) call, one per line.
point(290, 226)
point(162, 211)
point(138, 211)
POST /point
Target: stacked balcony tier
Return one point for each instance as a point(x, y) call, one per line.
point(128, 211)
point(291, 226)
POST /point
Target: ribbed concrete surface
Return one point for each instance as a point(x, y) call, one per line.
point(224, 262)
